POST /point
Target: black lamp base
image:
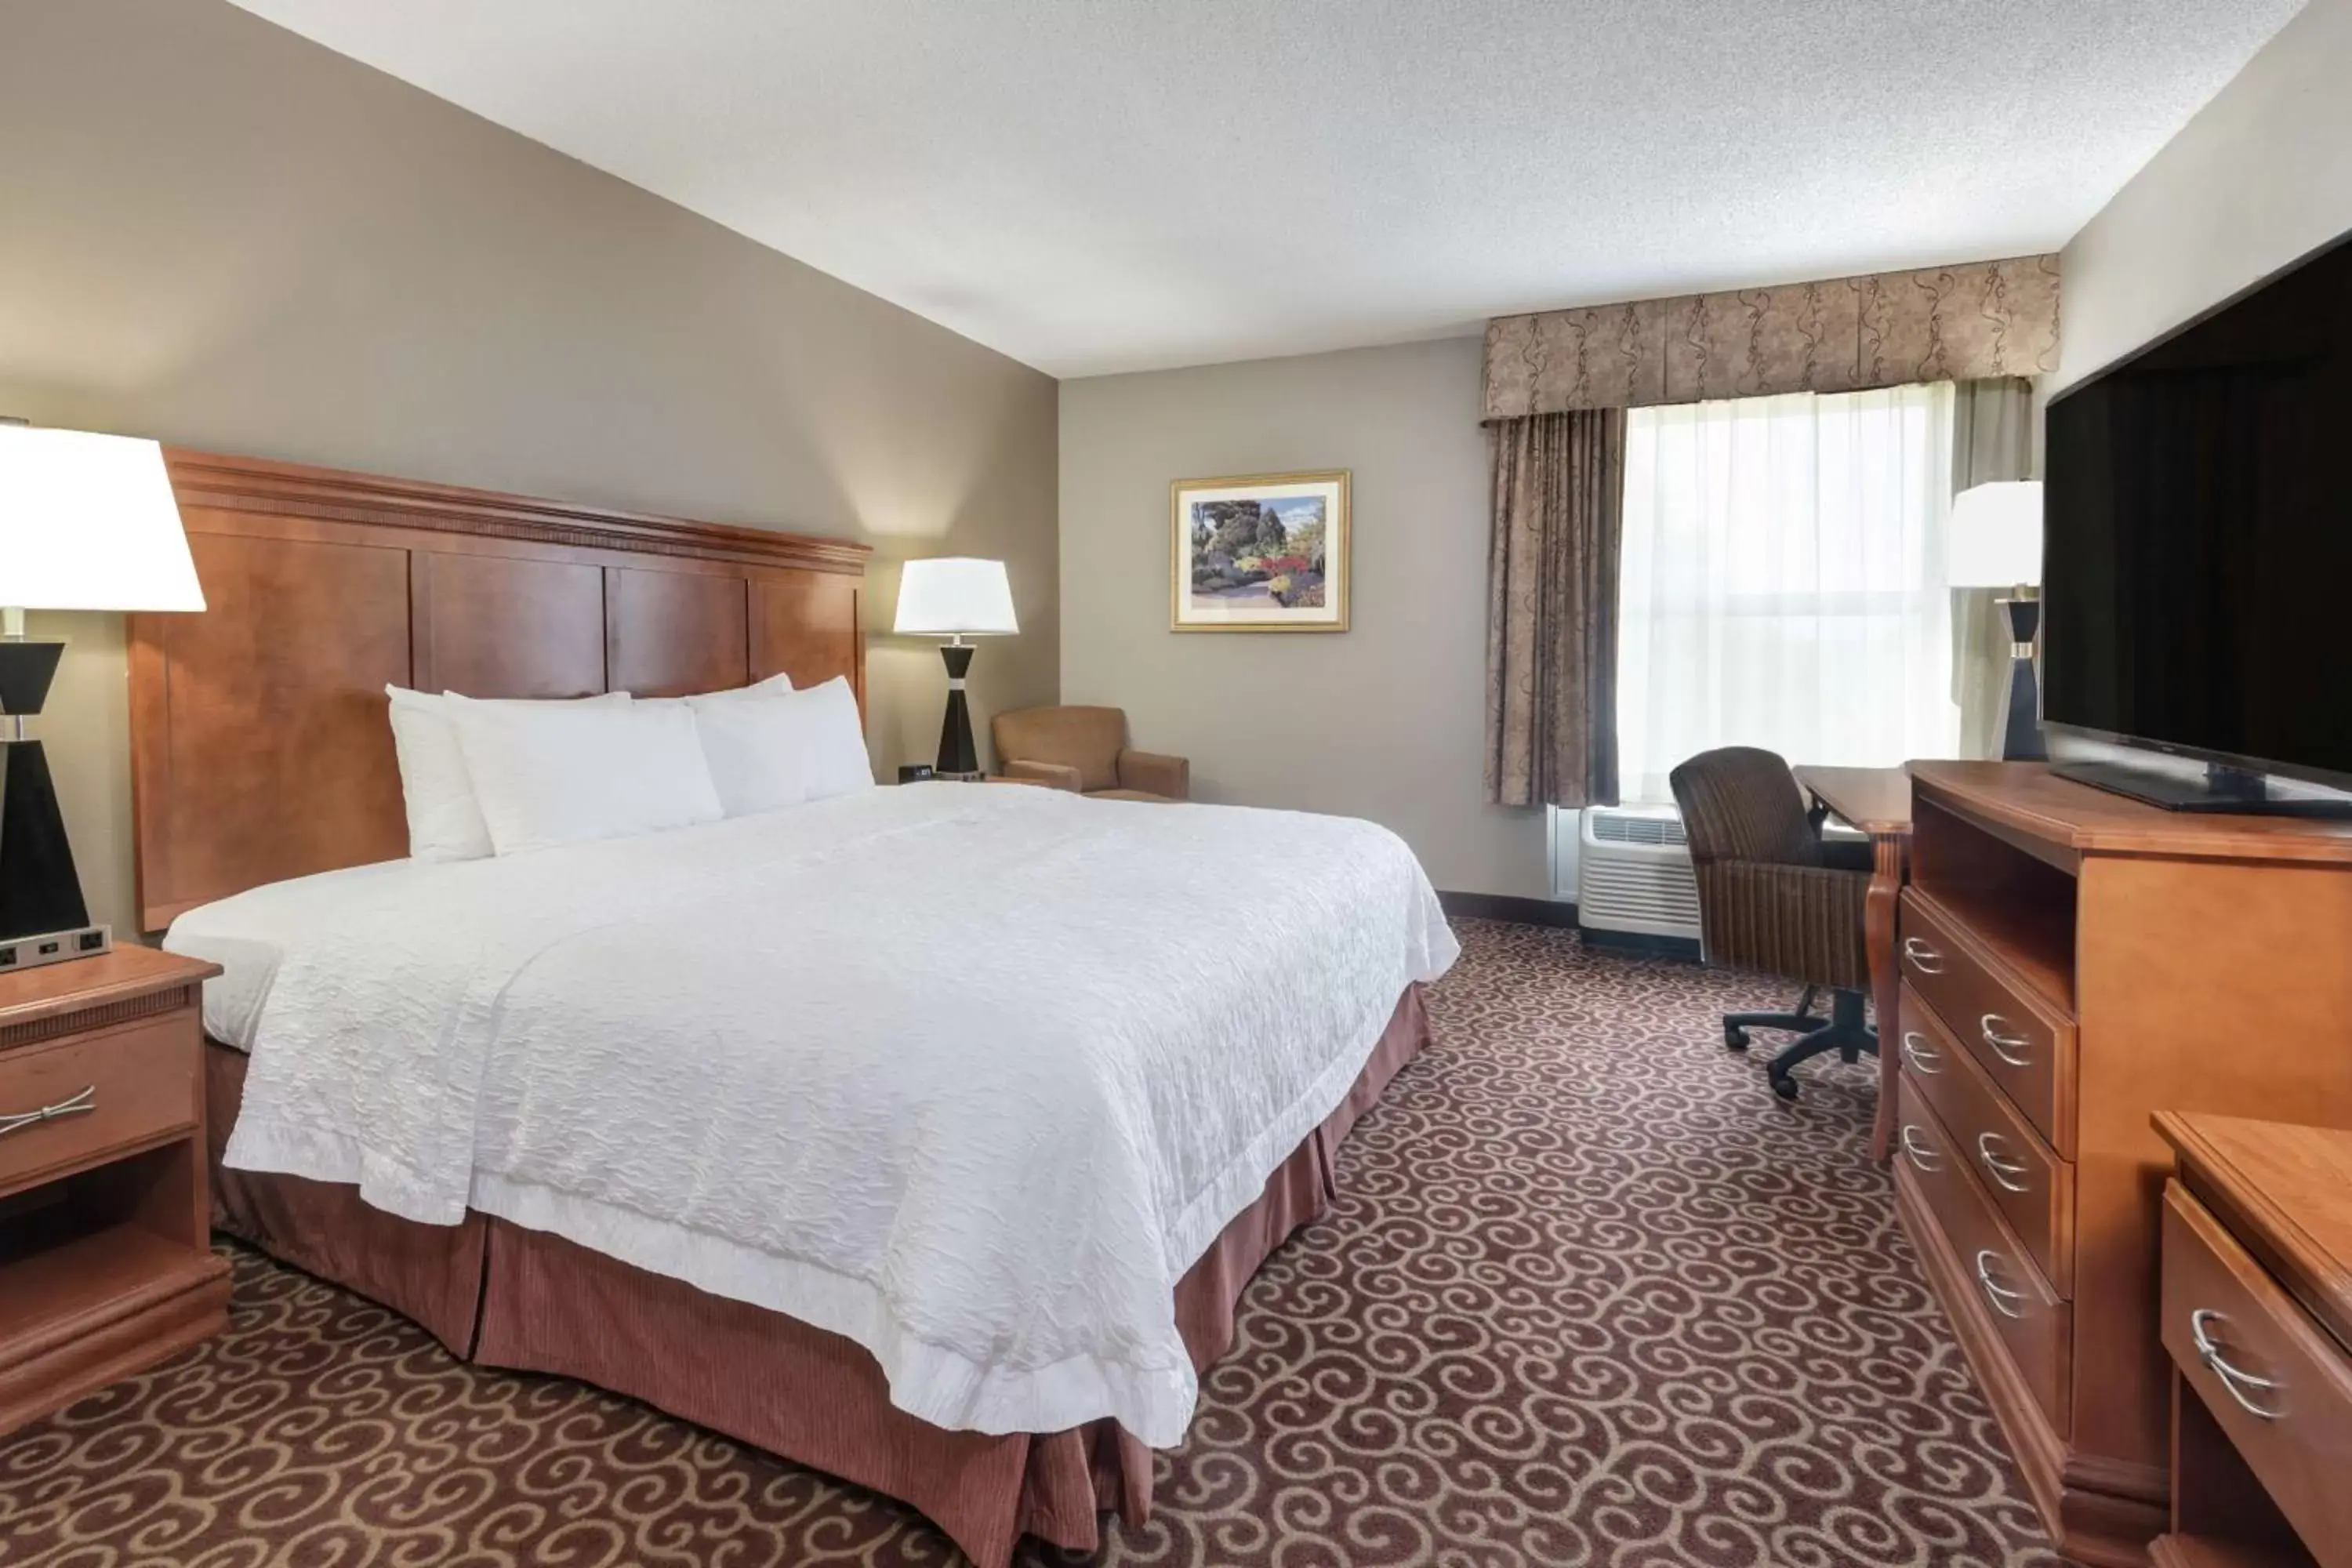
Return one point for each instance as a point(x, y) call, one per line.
point(959, 759)
point(2022, 737)
point(42, 916)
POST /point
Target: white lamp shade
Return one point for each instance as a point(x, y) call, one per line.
point(87, 522)
point(1996, 535)
point(955, 596)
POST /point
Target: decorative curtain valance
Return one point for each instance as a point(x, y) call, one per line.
point(1940, 324)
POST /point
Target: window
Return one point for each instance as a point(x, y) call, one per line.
point(1783, 582)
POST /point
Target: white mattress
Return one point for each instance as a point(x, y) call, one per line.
point(969, 1076)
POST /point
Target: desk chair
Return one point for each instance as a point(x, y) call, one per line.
point(1773, 896)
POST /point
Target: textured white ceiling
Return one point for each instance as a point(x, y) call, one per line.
point(1093, 185)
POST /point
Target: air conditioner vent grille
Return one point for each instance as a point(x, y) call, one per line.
point(1616, 827)
point(1634, 874)
point(1650, 892)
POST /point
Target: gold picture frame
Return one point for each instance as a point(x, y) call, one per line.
point(1260, 553)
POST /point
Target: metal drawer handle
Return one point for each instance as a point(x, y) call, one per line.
point(1997, 1031)
point(2004, 1173)
point(1917, 1051)
point(2235, 1379)
point(1922, 1155)
point(1928, 959)
point(2000, 1295)
point(80, 1104)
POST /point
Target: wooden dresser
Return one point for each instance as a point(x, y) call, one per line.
point(2257, 1314)
point(2072, 962)
point(106, 1260)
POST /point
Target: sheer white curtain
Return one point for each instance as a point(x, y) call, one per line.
point(1783, 581)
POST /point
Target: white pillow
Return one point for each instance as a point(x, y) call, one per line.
point(444, 822)
point(756, 754)
point(794, 747)
point(838, 762)
point(774, 685)
point(552, 774)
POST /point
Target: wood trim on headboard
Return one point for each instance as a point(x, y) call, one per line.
point(262, 486)
point(259, 745)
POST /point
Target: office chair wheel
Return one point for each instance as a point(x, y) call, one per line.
point(1735, 1038)
point(1784, 1086)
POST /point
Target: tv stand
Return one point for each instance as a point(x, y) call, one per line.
point(2073, 962)
point(2238, 792)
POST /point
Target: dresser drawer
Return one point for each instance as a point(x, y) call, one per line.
point(139, 1083)
point(2033, 1322)
point(2279, 1384)
point(2023, 1045)
point(2027, 1181)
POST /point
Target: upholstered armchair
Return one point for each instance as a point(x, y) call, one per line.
point(1773, 896)
point(1085, 749)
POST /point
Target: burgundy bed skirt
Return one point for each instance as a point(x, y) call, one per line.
point(503, 1296)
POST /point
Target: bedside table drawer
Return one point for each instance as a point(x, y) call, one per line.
point(104, 1091)
point(2276, 1383)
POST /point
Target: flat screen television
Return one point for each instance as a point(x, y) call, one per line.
point(2197, 544)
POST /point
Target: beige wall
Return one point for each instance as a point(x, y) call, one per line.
point(216, 233)
point(1383, 722)
point(2263, 175)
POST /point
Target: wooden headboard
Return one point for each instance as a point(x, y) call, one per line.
point(260, 746)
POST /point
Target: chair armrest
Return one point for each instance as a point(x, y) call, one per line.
point(1052, 774)
point(1802, 923)
point(1156, 775)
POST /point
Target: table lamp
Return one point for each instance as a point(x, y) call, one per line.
point(955, 597)
point(1996, 542)
point(87, 522)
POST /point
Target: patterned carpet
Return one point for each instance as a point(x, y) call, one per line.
point(1591, 1295)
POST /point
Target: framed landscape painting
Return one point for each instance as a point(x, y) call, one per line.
point(1262, 552)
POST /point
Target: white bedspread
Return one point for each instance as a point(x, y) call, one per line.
point(248, 935)
point(968, 1075)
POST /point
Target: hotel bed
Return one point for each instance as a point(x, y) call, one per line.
point(925, 1135)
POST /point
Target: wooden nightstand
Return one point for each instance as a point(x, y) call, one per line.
point(2257, 1311)
point(106, 1261)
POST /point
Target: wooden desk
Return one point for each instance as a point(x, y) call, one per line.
point(1875, 801)
point(2257, 1316)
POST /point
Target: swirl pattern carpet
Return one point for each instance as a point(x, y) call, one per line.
point(1591, 1295)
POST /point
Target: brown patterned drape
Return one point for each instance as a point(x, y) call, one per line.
point(1842, 334)
point(1557, 516)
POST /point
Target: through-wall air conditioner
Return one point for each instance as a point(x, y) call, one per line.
point(1633, 873)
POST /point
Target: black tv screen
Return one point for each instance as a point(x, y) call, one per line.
point(2198, 535)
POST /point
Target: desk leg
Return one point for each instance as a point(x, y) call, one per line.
point(1886, 850)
